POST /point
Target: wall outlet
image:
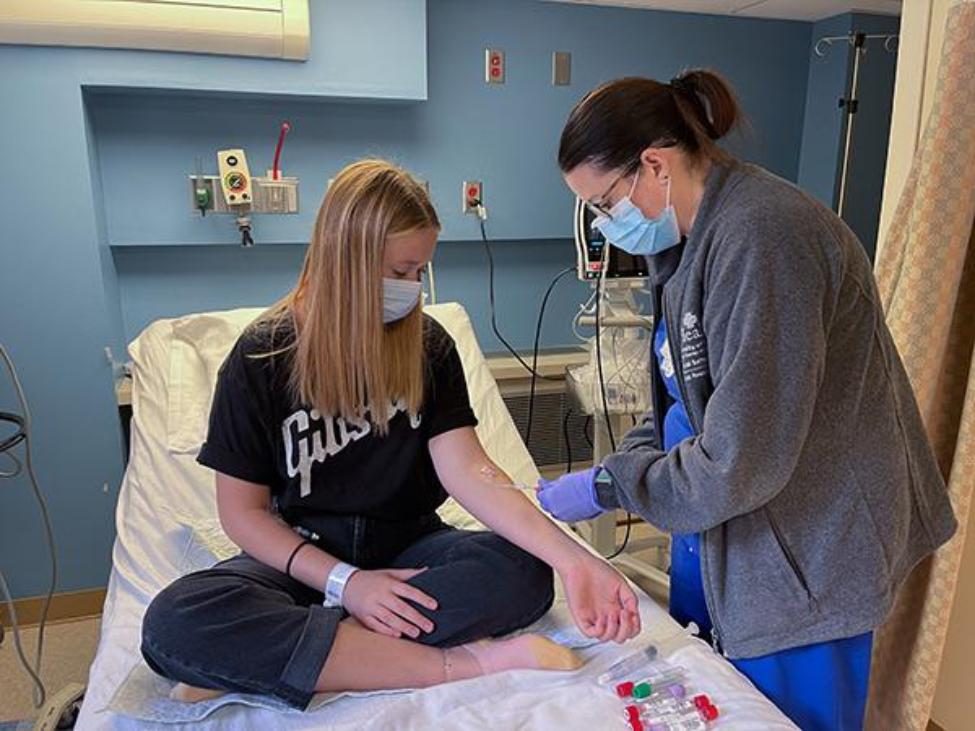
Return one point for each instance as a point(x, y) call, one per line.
point(473, 195)
point(493, 66)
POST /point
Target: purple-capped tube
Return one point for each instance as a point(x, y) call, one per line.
point(653, 683)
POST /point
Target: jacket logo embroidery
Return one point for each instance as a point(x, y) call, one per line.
point(693, 351)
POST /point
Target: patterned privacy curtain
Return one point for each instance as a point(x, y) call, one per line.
point(926, 274)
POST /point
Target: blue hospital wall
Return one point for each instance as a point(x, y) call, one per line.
point(55, 320)
point(505, 136)
point(88, 260)
point(824, 128)
point(60, 302)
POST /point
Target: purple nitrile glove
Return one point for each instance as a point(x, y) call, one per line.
point(572, 497)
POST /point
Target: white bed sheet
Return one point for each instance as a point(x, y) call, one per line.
point(167, 526)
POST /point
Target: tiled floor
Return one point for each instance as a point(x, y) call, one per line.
point(69, 648)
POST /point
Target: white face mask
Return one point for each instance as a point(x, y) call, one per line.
point(400, 297)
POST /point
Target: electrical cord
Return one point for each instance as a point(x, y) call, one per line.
point(600, 285)
point(19, 434)
point(568, 445)
point(538, 333)
point(18, 467)
point(481, 216)
point(626, 538)
point(599, 353)
point(12, 441)
point(40, 692)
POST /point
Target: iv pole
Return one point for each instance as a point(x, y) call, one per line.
point(859, 42)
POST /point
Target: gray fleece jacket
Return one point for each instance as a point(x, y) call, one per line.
point(810, 476)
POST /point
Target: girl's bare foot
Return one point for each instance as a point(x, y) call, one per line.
point(525, 652)
point(191, 694)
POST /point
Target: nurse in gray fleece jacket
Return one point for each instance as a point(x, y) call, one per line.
point(785, 451)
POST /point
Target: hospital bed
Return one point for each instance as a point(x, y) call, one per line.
point(167, 526)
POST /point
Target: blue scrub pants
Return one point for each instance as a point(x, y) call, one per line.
point(821, 687)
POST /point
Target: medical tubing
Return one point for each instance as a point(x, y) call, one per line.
point(40, 693)
point(275, 172)
point(538, 334)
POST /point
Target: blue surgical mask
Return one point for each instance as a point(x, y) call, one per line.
point(400, 297)
point(631, 231)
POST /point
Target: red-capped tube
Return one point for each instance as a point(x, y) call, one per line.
point(709, 714)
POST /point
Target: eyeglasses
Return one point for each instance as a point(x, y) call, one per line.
point(600, 206)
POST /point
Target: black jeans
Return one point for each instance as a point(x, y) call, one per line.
point(243, 626)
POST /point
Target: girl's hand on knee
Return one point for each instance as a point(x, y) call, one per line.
point(378, 600)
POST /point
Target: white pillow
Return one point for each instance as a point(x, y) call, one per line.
point(200, 344)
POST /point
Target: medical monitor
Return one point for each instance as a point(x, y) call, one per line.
point(591, 251)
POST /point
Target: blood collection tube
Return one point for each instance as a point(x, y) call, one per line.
point(671, 690)
point(691, 723)
point(659, 705)
point(628, 665)
point(646, 687)
point(689, 720)
point(694, 714)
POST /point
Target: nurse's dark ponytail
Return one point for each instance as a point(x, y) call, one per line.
point(617, 121)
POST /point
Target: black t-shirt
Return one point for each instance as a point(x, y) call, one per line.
point(321, 467)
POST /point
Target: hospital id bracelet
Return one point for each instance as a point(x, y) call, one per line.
point(335, 585)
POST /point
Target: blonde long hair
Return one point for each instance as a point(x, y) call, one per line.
point(344, 361)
